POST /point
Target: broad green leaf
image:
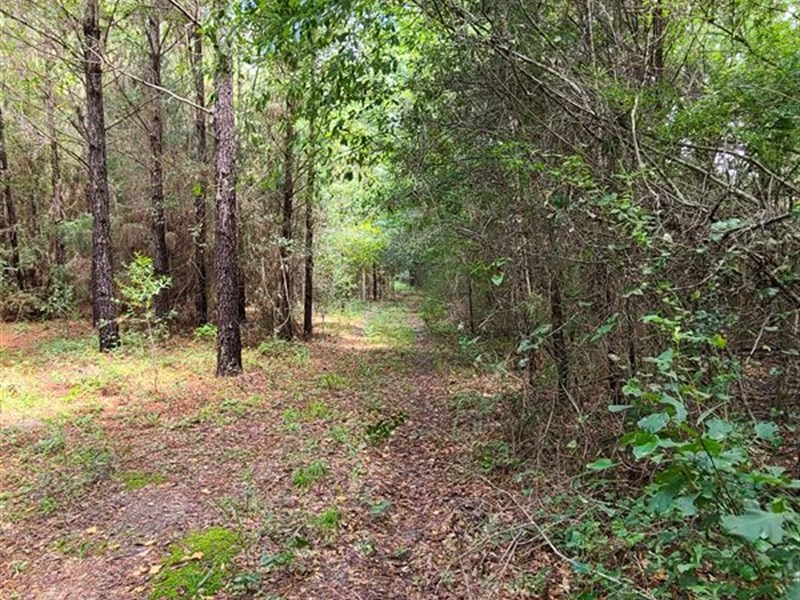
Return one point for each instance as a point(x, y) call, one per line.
point(633, 388)
point(645, 444)
point(767, 430)
point(680, 407)
point(654, 423)
point(685, 504)
point(664, 361)
point(717, 429)
point(601, 464)
point(617, 408)
point(754, 524)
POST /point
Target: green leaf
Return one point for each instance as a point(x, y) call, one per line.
point(617, 408)
point(601, 464)
point(664, 361)
point(717, 429)
point(767, 430)
point(685, 504)
point(654, 423)
point(604, 329)
point(633, 388)
point(497, 279)
point(680, 407)
point(645, 445)
point(755, 524)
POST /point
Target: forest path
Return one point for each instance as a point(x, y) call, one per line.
point(335, 469)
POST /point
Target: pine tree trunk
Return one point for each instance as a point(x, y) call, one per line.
point(201, 185)
point(229, 343)
point(10, 221)
point(286, 326)
point(56, 199)
point(156, 139)
point(308, 292)
point(104, 308)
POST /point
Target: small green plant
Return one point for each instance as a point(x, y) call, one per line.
point(206, 332)
point(495, 455)
point(380, 430)
point(60, 303)
point(330, 518)
point(305, 477)
point(138, 293)
point(198, 565)
point(317, 409)
point(334, 381)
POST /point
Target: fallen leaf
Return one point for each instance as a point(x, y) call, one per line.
point(91, 530)
point(153, 570)
point(196, 556)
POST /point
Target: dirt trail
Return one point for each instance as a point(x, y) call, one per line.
point(404, 519)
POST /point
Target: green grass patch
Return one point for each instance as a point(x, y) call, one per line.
point(136, 480)
point(333, 381)
point(390, 326)
point(198, 565)
point(306, 476)
point(330, 518)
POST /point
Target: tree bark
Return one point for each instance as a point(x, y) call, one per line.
point(56, 188)
point(285, 325)
point(10, 220)
point(308, 291)
point(229, 343)
point(155, 135)
point(104, 308)
point(200, 188)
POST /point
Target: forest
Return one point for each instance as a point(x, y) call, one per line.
point(392, 300)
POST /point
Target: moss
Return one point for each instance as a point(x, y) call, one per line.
point(198, 565)
point(136, 480)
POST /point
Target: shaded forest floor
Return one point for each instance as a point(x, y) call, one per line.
point(351, 467)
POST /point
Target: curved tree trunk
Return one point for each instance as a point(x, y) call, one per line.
point(103, 307)
point(155, 134)
point(229, 343)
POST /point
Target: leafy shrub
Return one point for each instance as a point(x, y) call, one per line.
point(207, 331)
point(729, 524)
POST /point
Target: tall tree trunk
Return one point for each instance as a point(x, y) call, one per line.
point(308, 290)
point(229, 342)
point(56, 188)
point(658, 31)
point(201, 185)
point(375, 282)
point(10, 220)
point(242, 299)
point(155, 133)
point(285, 325)
point(103, 307)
